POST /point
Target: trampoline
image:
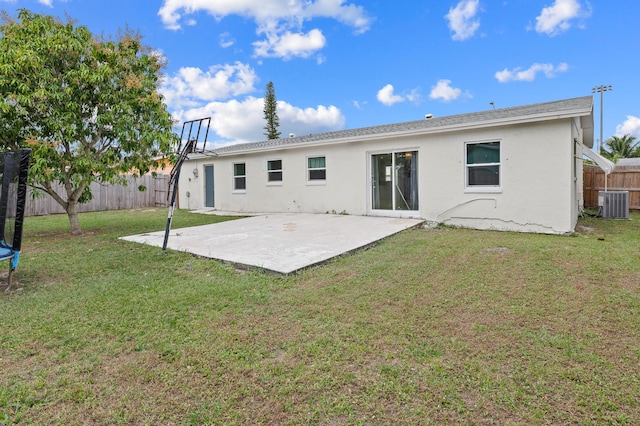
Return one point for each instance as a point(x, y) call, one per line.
point(14, 169)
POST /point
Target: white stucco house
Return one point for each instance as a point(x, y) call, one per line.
point(515, 169)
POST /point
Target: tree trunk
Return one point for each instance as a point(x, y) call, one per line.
point(70, 205)
point(74, 221)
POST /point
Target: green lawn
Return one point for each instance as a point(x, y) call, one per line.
point(430, 326)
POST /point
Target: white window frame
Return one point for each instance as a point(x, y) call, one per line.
point(270, 172)
point(467, 166)
point(310, 169)
point(235, 177)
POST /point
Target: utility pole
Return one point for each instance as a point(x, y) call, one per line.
point(601, 90)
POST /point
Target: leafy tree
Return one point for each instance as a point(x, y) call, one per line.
point(271, 113)
point(618, 147)
point(88, 106)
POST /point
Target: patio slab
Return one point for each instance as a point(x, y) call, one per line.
point(282, 243)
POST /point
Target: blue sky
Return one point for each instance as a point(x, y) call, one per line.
point(339, 64)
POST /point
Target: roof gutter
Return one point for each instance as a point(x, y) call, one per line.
point(378, 136)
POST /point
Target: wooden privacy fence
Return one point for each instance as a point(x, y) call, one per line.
point(108, 197)
point(619, 180)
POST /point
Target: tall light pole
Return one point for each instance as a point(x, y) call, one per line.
point(601, 90)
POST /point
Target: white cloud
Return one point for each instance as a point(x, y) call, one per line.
point(281, 21)
point(192, 93)
point(631, 126)
point(443, 90)
point(387, 96)
point(226, 40)
point(518, 74)
point(238, 121)
point(358, 105)
point(243, 121)
point(44, 2)
point(556, 19)
point(302, 121)
point(191, 86)
point(413, 96)
point(288, 45)
point(263, 11)
point(462, 19)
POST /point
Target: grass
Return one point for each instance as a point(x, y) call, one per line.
point(430, 326)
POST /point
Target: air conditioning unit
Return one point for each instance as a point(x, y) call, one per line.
point(614, 204)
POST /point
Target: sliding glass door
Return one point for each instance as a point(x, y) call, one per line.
point(394, 181)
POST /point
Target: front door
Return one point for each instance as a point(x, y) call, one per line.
point(394, 181)
point(208, 187)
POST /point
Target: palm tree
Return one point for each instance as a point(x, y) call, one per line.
point(620, 147)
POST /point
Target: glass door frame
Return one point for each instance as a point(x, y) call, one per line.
point(394, 211)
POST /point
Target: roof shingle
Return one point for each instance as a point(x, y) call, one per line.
point(535, 112)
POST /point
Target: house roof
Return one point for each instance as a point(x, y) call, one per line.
point(576, 107)
point(628, 164)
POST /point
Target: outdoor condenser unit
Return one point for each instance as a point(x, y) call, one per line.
point(614, 204)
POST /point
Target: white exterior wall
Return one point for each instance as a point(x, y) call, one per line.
point(536, 185)
point(342, 192)
point(538, 193)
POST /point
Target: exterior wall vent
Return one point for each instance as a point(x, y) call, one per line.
point(614, 204)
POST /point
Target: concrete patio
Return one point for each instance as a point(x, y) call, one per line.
point(282, 243)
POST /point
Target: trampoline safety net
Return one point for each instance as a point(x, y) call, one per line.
point(14, 169)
